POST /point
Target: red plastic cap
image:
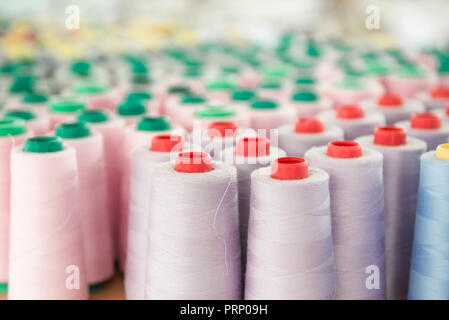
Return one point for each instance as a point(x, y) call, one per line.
point(350, 112)
point(222, 128)
point(390, 100)
point(447, 110)
point(166, 143)
point(390, 136)
point(440, 93)
point(426, 120)
point(253, 147)
point(344, 149)
point(309, 125)
point(193, 162)
point(289, 168)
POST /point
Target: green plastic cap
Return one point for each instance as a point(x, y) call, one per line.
point(214, 112)
point(140, 78)
point(73, 130)
point(35, 98)
point(131, 108)
point(81, 68)
point(21, 114)
point(67, 105)
point(22, 83)
point(410, 71)
point(305, 80)
point(94, 116)
point(193, 72)
point(12, 127)
point(350, 83)
point(43, 144)
point(179, 90)
point(274, 71)
point(153, 123)
point(242, 95)
point(221, 85)
point(89, 88)
point(264, 104)
point(271, 85)
point(138, 95)
point(192, 99)
point(305, 96)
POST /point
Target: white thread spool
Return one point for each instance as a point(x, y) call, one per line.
point(46, 250)
point(163, 148)
point(443, 114)
point(354, 121)
point(393, 107)
point(93, 199)
point(38, 124)
point(12, 134)
point(308, 104)
point(290, 254)
point(426, 127)
point(193, 246)
point(401, 179)
point(357, 208)
point(436, 99)
point(249, 154)
point(269, 114)
point(296, 139)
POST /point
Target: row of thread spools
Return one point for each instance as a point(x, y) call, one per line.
point(295, 139)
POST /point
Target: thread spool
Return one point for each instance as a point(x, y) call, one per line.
point(354, 121)
point(140, 134)
point(46, 240)
point(401, 177)
point(309, 103)
point(249, 154)
point(64, 109)
point(37, 102)
point(394, 107)
point(435, 99)
point(306, 133)
point(203, 116)
point(290, 254)
point(12, 134)
point(38, 124)
point(96, 96)
point(93, 199)
point(111, 128)
point(352, 90)
point(193, 246)
point(152, 102)
point(357, 205)
point(269, 114)
point(130, 111)
point(274, 90)
point(220, 90)
point(409, 80)
point(179, 109)
point(426, 126)
point(443, 114)
point(428, 274)
point(163, 148)
point(241, 98)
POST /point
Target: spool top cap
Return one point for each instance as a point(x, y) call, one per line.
point(153, 123)
point(179, 89)
point(131, 108)
point(289, 168)
point(193, 162)
point(264, 104)
point(94, 116)
point(305, 96)
point(442, 151)
point(12, 127)
point(214, 112)
point(192, 99)
point(270, 85)
point(21, 114)
point(390, 136)
point(350, 112)
point(222, 128)
point(390, 100)
point(221, 85)
point(351, 83)
point(44, 144)
point(242, 95)
point(309, 125)
point(440, 93)
point(89, 88)
point(166, 143)
point(68, 105)
point(425, 120)
point(305, 80)
point(344, 149)
point(410, 71)
point(35, 98)
point(253, 147)
point(73, 130)
point(138, 95)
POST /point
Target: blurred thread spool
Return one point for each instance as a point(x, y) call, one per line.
point(36, 102)
point(290, 253)
point(435, 99)
point(96, 95)
point(408, 81)
point(296, 139)
point(37, 124)
point(357, 208)
point(430, 259)
point(111, 128)
point(203, 116)
point(93, 199)
point(163, 148)
point(131, 111)
point(427, 127)
point(179, 109)
point(354, 121)
point(401, 178)
point(64, 109)
point(308, 104)
point(193, 247)
point(12, 134)
point(249, 154)
point(46, 243)
point(268, 115)
point(394, 107)
point(351, 90)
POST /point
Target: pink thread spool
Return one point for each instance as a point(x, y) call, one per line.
point(308, 104)
point(269, 114)
point(164, 147)
point(180, 109)
point(274, 90)
point(96, 96)
point(38, 124)
point(140, 134)
point(46, 243)
point(352, 90)
point(151, 102)
point(170, 89)
point(12, 133)
point(408, 81)
point(435, 99)
point(131, 110)
point(93, 199)
point(111, 128)
point(64, 109)
point(220, 90)
point(36, 102)
point(203, 116)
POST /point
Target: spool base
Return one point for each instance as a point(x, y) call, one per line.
point(3, 287)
